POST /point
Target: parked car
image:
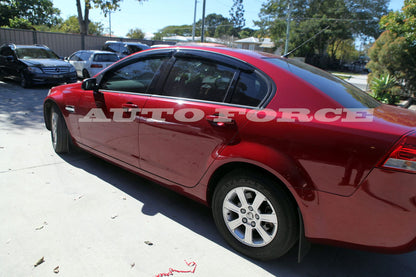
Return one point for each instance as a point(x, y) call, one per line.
point(89, 62)
point(123, 49)
point(281, 151)
point(34, 64)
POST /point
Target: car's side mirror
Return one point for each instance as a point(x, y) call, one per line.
point(90, 84)
point(10, 58)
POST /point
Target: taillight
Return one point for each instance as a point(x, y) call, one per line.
point(94, 65)
point(403, 156)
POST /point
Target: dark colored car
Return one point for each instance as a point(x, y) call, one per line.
point(123, 49)
point(34, 64)
point(281, 151)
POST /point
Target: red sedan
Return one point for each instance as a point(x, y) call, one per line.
point(281, 151)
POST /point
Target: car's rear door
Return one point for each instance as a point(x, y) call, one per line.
point(186, 125)
point(110, 115)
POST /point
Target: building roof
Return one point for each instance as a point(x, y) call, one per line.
point(249, 40)
point(267, 43)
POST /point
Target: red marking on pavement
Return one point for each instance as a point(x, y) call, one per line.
point(171, 270)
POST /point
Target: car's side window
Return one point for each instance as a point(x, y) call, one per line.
point(114, 47)
point(134, 77)
point(85, 56)
point(250, 90)
point(199, 79)
point(74, 57)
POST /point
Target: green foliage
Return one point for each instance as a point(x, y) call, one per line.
point(343, 50)
point(136, 33)
point(35, 12)
point(237, 17)
point(71, 25)
point(175, 30)
point(346, 19)
point(402, 23)
point(20, 23)
point(214, 21)
point(394, 52)
point(216, 26)
point(384, 89)
point(247, 32)
point(106, 7)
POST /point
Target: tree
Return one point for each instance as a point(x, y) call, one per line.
point(345, 19)
point(135, 33)
point(36, 12)
point(212, 22)
point(71, 25)
point(237, 16)
point(175, 30)
point(394, 52)
point(105, 5)
point(20, 23)
point(246, 33)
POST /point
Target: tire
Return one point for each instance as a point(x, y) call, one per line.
point(85, 74)
point(59, 132)
point(255, 215)
point(24, 80)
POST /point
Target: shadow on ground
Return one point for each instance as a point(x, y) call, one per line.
point(21, 108)
point(321, 261)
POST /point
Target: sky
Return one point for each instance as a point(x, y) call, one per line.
point(152, 15)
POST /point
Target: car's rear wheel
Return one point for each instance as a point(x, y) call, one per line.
point(85, 74)
point(59, 131)
point(24, 80)
point(255, 215)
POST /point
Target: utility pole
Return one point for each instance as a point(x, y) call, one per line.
point(193, 28)
point(203, 21)
point(288, 26)
point(109, 19)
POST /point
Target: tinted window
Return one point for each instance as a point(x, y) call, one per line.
point(85, 56)
point(74, 57)
point(35, 53)
point(134, 77)
point(199, 80)
point(250, 90)
point(136, 48)
point(115, 47)
point(344, 93)
point(105, 58)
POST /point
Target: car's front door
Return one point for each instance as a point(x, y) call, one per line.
point(110, 114)
point(185, 127)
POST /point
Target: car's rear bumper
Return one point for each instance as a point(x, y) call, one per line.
point(380, 215)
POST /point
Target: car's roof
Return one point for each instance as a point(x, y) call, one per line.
point(234, 52)
point(97, 52)
point(125, 42)
point(30, 46)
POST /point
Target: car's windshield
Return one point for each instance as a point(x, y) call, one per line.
point(105, 58)
point(35, 53)
point(135, 48)
point(344, 93)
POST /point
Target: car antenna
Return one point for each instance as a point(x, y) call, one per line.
point(288, 53)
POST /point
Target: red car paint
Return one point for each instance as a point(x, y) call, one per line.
point(334, 170)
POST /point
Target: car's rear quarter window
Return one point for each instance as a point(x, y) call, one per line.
point(344, 93)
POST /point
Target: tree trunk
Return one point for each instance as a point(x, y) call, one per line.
point(83, 20)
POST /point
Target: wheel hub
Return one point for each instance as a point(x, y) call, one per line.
point(250, 216)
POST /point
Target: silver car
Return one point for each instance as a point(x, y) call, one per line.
point(89, 62)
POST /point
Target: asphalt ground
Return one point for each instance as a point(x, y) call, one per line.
point(76, 215)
